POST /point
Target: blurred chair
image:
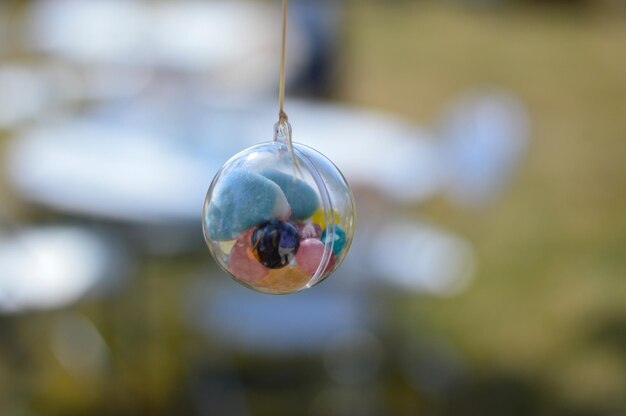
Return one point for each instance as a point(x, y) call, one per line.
point(485, 134)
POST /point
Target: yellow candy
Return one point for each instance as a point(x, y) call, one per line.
point(226, 246)
point(319, 217)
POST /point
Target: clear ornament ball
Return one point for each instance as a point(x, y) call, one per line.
point(279, 220)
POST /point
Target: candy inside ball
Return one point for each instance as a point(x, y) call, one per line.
point(279, 221)
point(275, 243)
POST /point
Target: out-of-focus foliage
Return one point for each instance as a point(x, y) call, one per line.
point(553, 253)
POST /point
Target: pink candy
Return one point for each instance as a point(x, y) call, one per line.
point(242, 262)
point(309, 230)
point(309, 255)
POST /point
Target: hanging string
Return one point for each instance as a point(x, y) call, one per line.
point(281, 89)
point(282, 128)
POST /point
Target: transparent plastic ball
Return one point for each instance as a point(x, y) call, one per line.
point(279, 218)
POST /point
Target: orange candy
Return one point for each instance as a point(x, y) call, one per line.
point(286, 280)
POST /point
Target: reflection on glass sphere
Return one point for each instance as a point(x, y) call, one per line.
point(279, 221)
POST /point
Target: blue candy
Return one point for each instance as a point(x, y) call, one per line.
point(275, 243)
point(301, 197)
point(241, 200)
point(338, 238)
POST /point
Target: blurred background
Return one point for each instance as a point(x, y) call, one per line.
point(485, 142)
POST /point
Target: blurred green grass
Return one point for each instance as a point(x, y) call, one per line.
point(552, 251)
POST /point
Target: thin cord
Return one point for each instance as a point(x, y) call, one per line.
point(281, 91)
point(282, 128)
